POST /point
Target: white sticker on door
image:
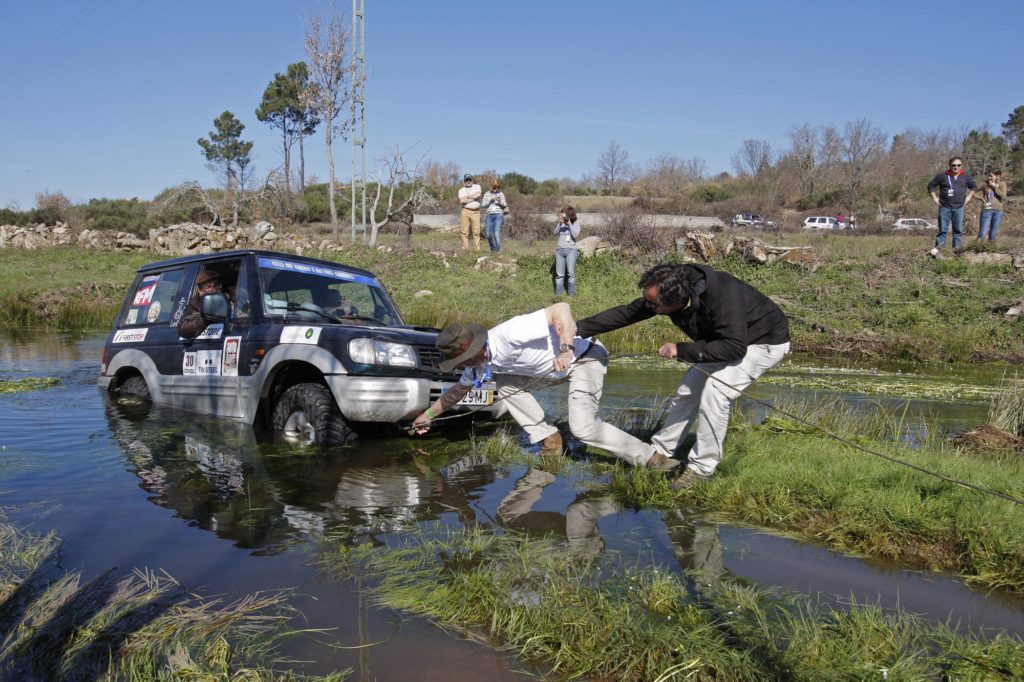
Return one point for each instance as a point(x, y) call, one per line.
point(201, 363)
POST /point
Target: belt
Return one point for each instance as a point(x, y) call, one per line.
point(470, 209)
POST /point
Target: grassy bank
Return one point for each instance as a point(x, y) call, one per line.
point(872, 295)
point(528, 596)
point(784, 475)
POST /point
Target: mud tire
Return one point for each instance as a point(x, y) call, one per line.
point(306, 414)
point(134, 389)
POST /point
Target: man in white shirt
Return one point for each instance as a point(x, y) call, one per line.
point(469, 197)
point(529, 351)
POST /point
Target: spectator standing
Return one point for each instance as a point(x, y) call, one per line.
point(737, 335)
point(853, 221)
point(993, 195)
point(951, 190)
point(566, 252)
point(469, 197)
point(840, 220)
point(496, 205)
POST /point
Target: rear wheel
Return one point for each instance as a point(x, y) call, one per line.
point(134, 389)
point(306, 414)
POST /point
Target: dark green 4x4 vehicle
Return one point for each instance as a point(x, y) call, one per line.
point(304, 348)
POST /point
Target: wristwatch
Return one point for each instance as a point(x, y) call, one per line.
point(565, 347)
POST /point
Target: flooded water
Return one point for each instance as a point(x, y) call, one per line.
point(227, 515)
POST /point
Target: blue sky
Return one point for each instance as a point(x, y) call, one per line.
point(106, 98)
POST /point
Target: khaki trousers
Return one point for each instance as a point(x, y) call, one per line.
point(708, 402)
point(470, 223)
point(586, 384)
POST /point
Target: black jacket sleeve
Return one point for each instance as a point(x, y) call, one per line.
point(614, 318)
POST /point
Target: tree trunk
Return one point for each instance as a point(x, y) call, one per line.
point(287, 159)
point(330, 186)
point(302, 163)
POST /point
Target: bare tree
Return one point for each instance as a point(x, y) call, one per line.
point(668, 175)
point(754, 158)
point(438, 175)
point(398, 177)
point(330, 79)
point(804, 142)
point(613, 167)
point(860, 149)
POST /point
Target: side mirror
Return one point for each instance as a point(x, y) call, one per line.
point(214, 307)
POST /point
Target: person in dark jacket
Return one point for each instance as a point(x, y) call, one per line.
point(951, 191)
point(737, 335)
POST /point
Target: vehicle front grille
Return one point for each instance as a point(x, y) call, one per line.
point(429, 357)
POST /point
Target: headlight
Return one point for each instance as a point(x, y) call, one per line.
point(372, 352)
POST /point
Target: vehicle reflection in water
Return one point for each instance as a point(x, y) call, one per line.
point(218, 476)
point(215, 475)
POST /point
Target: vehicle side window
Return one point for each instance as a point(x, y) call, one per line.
point(243, 301)
point(153, 298)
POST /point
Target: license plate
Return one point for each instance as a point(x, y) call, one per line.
point(479, 396)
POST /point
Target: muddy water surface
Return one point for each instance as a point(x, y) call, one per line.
point(228, 515)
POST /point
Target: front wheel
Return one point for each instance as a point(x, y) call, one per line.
point(306, 414)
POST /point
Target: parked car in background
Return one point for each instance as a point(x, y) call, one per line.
point(913, 224)
point(821, 222)
point(752, 220)
point(303, 348)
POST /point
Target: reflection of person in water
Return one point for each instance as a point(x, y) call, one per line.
point(698, 550)
point(578, 524)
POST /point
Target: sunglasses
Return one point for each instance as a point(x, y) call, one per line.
point(955, 165)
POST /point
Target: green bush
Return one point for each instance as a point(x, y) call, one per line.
point(125, 215)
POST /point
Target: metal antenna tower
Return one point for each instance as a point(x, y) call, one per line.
point(358, 112)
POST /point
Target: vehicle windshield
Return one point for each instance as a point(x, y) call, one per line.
point(294, 291)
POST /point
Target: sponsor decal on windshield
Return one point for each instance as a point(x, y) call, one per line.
point(334, 273)
point(130, 335)
point(306, 335)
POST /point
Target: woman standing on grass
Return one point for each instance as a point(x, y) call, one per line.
point(495, 204)
point(568, 231)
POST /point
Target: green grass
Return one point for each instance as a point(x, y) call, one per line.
point(531, 598)
point(790, 477)
point(24, 385)
point(871, 296)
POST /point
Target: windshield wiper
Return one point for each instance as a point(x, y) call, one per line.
point(295, 307)
point(365, 319)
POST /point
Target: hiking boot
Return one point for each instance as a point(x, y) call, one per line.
point(687, 479)
point(662, 463)
point(552, 445)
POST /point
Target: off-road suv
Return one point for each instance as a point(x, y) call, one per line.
point(751, 220)
point(300, 347)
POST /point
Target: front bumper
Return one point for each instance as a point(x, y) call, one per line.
point(389, 399)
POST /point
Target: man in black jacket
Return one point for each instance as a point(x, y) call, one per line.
point(737, 335)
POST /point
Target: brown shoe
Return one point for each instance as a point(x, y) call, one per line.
point(552, 445)
point(662, 463)
point(687, 479)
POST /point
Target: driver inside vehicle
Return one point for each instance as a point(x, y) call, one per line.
point(338, 305)
point(192, 322)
